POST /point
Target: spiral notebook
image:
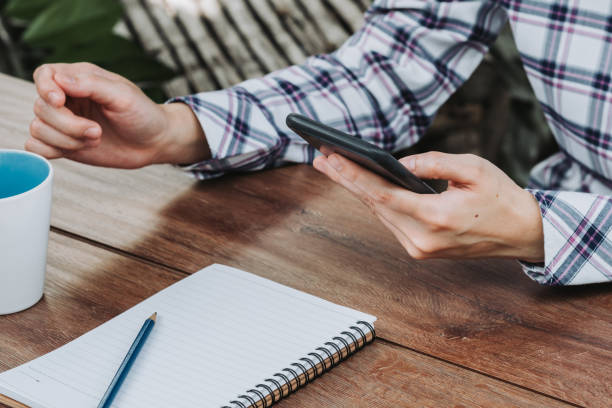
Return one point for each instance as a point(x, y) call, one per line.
point(223, 338)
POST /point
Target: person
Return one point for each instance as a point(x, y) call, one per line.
point(384, 85)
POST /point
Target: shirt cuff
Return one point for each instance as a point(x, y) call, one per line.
point(574, 239)
point(231, 124)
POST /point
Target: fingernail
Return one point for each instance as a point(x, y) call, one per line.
point(334, 162)
point(65, 78)
point(92, 132)
point(412, 164)
point(54, 97)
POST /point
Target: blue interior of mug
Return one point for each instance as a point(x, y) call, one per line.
point(20, 172)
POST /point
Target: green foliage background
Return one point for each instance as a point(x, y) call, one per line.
point(80, 30)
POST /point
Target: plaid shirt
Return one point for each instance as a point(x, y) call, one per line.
point(387, 81)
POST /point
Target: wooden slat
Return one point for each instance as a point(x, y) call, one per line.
point(214, 59)
point(269, 19)
point(245, 23)
point(326, 23)
point(221, 32)
point(187, 57)
point(218, 43)
point(154, 44)
point(349, 12)
point(196, 60)
point(295, 227)
point(147, 31)
point(363, 4)
point(87, 285)
point(164, 24)
point(174, 42)
point(177, 86)
point(299, 26)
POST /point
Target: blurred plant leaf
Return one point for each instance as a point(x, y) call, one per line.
point(155, 93)
point(72, 21)
point(25, 9)
point(116, 54)
point(141, 68)
point(105, 49)
point(82, 30)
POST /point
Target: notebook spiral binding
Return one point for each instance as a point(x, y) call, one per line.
point(307, 369)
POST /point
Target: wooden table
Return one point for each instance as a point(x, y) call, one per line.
point(451, 333)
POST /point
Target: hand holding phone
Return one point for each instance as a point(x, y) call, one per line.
point(329, 140)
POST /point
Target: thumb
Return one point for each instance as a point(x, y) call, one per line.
point(100, 89)
point(460, 168)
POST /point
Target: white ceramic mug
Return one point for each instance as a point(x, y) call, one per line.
point(25, 209)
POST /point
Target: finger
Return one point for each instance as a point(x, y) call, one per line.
point(49, 89)
point(66, 122)
point(111, 93)
point(89, 68)
point(46, 86)
point(372, 189)
point(402, 238)
point(36, 146)
point(462, 168)
point(50, 136)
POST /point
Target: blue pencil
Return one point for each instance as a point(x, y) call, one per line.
point(127, 362)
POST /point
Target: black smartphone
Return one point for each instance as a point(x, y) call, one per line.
point(366, 154)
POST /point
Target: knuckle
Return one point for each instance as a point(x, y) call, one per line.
point(125, 95)
point(439, 220)
point(72, 128)
point(87, 66)
point(437, 167)
point(436, 163)
point(82, 79)
point(72, 144)
point(44, 68)
point(477, 164)
point(39, 106)
point(35, 127)
point(417, 254)
point(382, 197)
point(435, 155)
point(367, 200)
point(349, 174)
point(426, 245)
point(30, 145)
point(334, 176)
point(80, 129)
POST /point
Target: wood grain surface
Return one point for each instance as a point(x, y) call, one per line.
point(87, 285)
point(295, 227)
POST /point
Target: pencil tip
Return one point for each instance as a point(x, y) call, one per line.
point(153, 316)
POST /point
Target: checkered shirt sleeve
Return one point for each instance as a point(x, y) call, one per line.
point(383, 85)
point(577, 238)
point(566, 49)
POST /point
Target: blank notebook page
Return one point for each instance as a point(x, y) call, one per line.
point(219, 332)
